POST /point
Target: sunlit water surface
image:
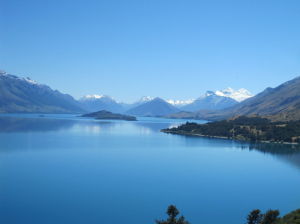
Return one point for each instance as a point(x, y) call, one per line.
point(61, 169)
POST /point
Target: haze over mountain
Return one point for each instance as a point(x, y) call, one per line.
point(155, 107)
point(141, 101)
point(25, 95)
point(95, 102)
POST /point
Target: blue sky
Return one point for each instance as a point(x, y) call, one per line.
point(168, 48)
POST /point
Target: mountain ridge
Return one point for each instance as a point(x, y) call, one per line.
point(24, 95)
point(281, 103)
point(155, 107)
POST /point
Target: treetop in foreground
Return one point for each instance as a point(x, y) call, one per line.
point(173, 212)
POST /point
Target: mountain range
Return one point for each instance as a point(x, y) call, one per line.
point(279, 104)
point(24, 95)
point(154, 105)
point(95, 102)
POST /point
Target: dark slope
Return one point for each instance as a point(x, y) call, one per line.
point(23, 95)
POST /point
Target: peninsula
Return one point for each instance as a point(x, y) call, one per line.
point(254, 129)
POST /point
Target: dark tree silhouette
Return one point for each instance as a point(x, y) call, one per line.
point(254, 217)
point(173, 212)
point(270, 217)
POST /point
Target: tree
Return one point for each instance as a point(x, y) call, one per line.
point(173, 212)
point(254, 217)
point(270, 217)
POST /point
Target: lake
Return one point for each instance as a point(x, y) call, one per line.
point(61, 169)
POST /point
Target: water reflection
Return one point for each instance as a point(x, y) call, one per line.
point(154, 127)
point(72, 124)
point(49, 124)
point(286, 152)
point(15, 124)
point(273, 148)
point(33, 123)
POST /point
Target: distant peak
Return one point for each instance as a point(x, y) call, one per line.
point(180, 102)
point(146, 98)
point(238, 95)
point(158, 99)
point(96, 96)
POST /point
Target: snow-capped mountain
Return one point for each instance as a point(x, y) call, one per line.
point(238, 95)
point(19, 94)
point(94, 102)
point(281, 103)
point(210, 101)
point(213, 100)
point(139, 102)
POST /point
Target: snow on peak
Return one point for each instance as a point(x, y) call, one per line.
point(146, 99)
point(17, 78)
point(180, 102)
point(30, 81)
point(238, 95)
point(209, 93)
point(97, 97)
point(93, 96)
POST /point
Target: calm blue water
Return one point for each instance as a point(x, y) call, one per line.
point(60, 169)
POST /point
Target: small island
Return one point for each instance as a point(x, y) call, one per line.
point(106, 115)
point(254, 129)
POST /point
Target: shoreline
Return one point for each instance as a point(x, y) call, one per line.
point(222, 137)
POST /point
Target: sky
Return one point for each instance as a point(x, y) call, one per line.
point(168, 48)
